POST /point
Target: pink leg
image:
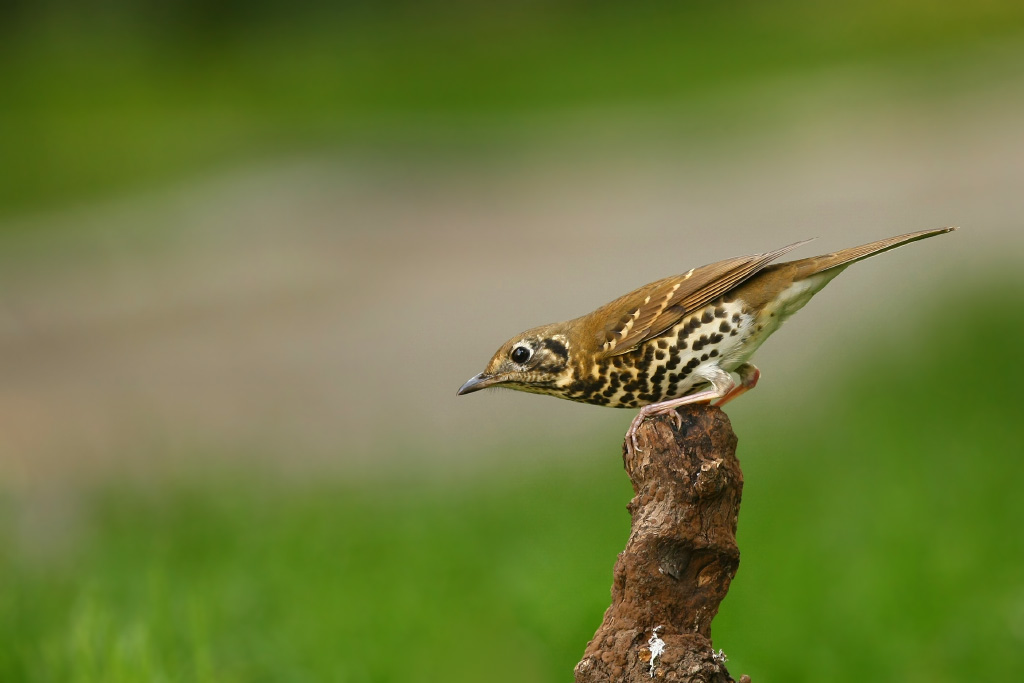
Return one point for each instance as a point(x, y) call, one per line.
point(749, 374)
point(722, 385)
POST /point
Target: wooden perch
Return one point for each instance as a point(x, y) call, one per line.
point(680, 557)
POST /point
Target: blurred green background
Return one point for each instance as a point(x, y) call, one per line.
point(249, 251)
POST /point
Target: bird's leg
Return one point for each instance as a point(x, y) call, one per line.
point(722, 384)
point(749, 374)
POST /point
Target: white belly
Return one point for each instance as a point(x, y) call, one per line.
point(761, 325)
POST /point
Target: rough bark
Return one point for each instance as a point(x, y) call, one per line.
point(680, 557)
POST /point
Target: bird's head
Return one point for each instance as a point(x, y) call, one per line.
point(536, 361)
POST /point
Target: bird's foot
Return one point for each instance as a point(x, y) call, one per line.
point(665, 408)
point(632, 447)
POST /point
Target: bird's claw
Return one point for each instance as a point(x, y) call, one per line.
point(631, 440)
point(672, 413)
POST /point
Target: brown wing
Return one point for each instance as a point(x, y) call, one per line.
point(654, 308)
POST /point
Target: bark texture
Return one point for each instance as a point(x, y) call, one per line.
point(680, 557)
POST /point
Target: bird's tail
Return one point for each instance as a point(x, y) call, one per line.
point(845, 257)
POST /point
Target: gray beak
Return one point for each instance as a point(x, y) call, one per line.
point(477, 383)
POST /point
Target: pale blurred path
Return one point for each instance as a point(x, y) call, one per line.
point(284, 312)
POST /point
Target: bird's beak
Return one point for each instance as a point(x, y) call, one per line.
point(481, 381)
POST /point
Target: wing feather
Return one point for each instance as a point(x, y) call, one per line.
point(651, 310)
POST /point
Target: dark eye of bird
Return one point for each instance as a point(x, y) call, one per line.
point(521, 354)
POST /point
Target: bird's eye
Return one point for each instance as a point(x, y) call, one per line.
point(521, 354)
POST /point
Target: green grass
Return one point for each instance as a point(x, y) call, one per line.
point(103, 99)
point(253, 583)
point(880, 541)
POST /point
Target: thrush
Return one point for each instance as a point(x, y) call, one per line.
point(683, 339)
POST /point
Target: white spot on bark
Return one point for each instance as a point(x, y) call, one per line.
point(657, 647)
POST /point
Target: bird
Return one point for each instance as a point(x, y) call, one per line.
point(680, 340)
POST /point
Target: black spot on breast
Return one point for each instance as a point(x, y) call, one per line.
point(707, 317)
point(700, 343)
point(658, 375)
point(724, 327)
point(694, 362)
point(714, 352)
point(716, 337)
point(704, 357)
point(682, 335)
point(586, 390)
point(719, 312)
point(662, 343)
point(660, 355)
point(735, 317)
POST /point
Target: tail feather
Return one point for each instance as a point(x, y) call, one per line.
point(845, 257)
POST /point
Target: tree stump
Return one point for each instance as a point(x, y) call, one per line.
point(680, 557)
